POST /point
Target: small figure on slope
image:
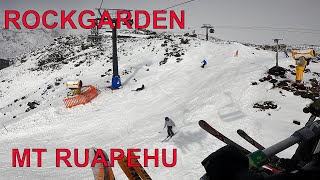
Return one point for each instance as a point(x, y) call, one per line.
point(169, 124)
point(140, 88)
point(204, 62)
point(286, 53)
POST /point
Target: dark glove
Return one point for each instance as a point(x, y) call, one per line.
point(225, 163)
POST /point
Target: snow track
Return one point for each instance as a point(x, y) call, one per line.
point(221, 93)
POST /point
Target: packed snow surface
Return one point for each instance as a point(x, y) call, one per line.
point(221, 93)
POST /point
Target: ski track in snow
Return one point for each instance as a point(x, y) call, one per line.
point(221, 94)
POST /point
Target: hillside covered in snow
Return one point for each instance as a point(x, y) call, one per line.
point(17, 42)
point(32, 113)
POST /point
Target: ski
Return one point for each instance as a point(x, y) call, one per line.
point(101, 172)
point(205, 126)
point(129, 171)
point(140, 170)
point(168, 138)
point(246, 137)
point(253, 142)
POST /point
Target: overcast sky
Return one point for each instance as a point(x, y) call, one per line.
point(295, 21)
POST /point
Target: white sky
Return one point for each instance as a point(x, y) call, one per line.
point(231, 18)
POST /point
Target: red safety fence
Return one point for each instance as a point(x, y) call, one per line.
point(87, 94)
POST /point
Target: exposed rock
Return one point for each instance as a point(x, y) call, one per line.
point(32, 105)
point(265, 105)
point(277, 71)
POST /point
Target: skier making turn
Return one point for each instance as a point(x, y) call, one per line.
point(169, 123)
point(204, 62)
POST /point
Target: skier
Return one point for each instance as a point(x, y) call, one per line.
point(140, 88)
point(286, 53)
point(204, 63)
point(169, 123)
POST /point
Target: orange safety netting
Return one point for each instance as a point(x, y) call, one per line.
point(87, 94)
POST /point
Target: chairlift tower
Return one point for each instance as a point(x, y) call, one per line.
point(277, 70)
point(208, 26)
point(277, 55)
point(116, 80)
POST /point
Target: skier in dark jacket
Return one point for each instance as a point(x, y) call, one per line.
point(169, 124)
point(204, 63)
point(286, 53)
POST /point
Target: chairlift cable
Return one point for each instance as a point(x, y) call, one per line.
point(278, 28)
point(179, 4)
point(274, 29)
point(173, 6)
point(270, 29)
point(101, 4)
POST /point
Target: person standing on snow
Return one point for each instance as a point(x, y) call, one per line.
point(169, 123)
point(204, 63)
point(286, 53)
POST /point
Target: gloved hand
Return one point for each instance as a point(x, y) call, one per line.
point(225, 163)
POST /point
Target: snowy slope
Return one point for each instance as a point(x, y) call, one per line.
point(221, 93)
point(16, 42)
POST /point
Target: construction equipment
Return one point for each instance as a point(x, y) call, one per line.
point(75, 87)
point(80, 94)
point(302, 58)
point(307, 54)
